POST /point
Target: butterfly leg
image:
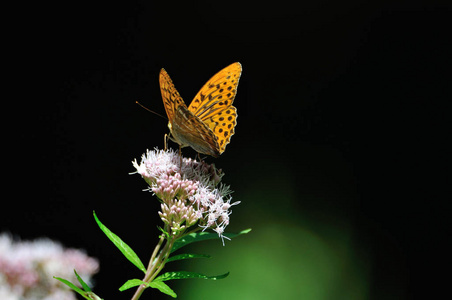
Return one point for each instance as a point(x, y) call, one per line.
point(165, 139)
point(180, 155)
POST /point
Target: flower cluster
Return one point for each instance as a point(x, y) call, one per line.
point(190, 191)
point(27, 269)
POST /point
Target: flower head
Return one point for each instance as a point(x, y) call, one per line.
point(25, 269)
point(190, 191)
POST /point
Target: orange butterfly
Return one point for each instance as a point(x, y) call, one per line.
point(208, 123)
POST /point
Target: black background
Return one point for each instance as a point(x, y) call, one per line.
point(327, 88)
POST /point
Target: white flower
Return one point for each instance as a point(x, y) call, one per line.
point(190, 191)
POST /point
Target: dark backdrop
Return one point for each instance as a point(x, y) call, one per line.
point(342, 125)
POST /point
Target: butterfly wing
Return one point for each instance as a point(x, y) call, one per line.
point(213, 103)
point(223, 126)
point(189, 130)
point(218, 93)
point(171, 97)
point(186, 129)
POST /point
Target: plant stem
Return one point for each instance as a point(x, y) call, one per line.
point(156, 250)
point(155, 263)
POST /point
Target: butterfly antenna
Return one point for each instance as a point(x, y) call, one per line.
point(150, 110)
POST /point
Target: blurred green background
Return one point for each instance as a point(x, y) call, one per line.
point(337, 158)
point(304, 245)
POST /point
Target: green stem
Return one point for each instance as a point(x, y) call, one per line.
point(156, 250)
point(156, 264)
point(166, 253)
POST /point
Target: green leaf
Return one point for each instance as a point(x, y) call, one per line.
point(123, 247)
point(233, 235)
point(84, 285)
point(202, 236)
point(72, 286)
point(161, 286)
point(131, 283)
point(163, 231)
point(164, 288)
point(87, 294)
point(187, 256)
point(185, 275)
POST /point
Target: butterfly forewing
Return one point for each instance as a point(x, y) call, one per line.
point(218, 93)
point(171, 97)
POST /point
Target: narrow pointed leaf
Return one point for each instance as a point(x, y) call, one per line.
point(187, 256)
point(84, 285)
point(73, 286)
point(161, 286)
point(123, 247)
point(185, 275)
point(202, 236)
point(164, 288)
point(131, 283)
point(233, 235)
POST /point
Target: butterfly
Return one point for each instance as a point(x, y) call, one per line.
point(209, 122)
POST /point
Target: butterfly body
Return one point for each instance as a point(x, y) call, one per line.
point(209, 122)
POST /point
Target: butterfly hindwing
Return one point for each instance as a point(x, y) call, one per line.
point(188, 130)
point(223, 125)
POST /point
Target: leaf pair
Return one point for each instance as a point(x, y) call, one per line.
point(86, 292)
point(163, 287)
